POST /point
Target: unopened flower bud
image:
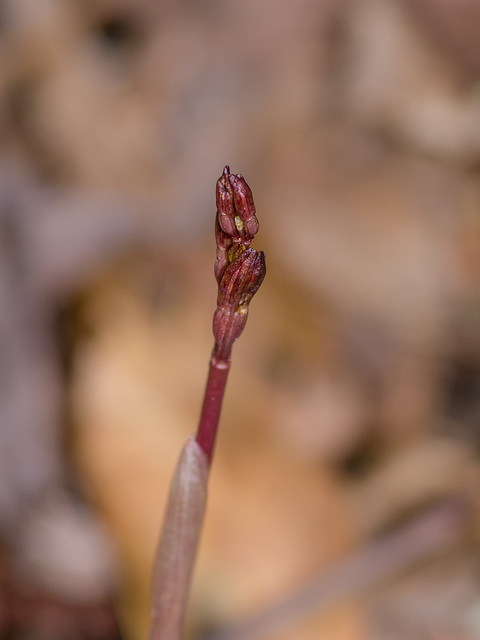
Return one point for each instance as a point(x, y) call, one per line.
point(241, 280)
point(239, 283)
point(244, 207)
point(225, 204)
point(236, 223)
point(227, 327)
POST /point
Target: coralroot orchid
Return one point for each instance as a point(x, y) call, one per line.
point(239, 271)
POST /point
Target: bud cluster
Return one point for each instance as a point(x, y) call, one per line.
point(239, 269)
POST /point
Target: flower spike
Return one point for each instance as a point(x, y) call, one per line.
point(239, 271)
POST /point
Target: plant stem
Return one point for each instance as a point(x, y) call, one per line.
point(239, 271)
point(212, 404)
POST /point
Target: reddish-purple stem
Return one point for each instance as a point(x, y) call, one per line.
point(239, 271)
point(212, 404)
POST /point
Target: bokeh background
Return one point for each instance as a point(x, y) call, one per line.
point(354, 399)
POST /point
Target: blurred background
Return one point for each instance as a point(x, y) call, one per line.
point(353, 404)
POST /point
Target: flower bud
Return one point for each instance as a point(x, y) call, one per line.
point(244, 206)
point(225, 204)
point(241, 280)
point(236, 223)
point(227, 327)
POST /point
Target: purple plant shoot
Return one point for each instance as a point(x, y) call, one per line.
point(239, 271)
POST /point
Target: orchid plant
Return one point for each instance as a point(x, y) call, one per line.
point(239, 270)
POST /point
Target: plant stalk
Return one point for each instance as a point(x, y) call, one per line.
point(239, 271)
point(212, 404)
